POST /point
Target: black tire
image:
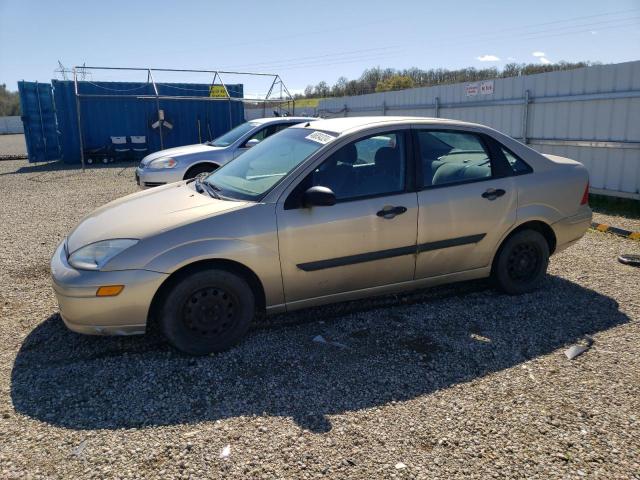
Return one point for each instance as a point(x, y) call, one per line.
point(196, 170)
point(207, 312)
point(521, 263)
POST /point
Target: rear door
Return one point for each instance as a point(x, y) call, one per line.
point(467, 200)
point(39, 119)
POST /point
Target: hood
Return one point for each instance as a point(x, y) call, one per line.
point(147, 213)
point(180, 151)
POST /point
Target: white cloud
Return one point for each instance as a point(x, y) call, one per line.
point(538, 54)
point(593, 32)
point(545, 61)
point(488, 58)
point(511, 59)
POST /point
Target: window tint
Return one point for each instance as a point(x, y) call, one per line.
point(452, 157)
point(281, 127)
point(259, 135)
point(372, 166)
point(233, 135)
point(518, 166)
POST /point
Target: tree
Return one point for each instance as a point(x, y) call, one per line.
point(377, 79)
point(321, 89)
point(397, 82)
point(9, 102)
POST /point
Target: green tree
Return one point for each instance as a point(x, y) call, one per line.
point(397, 82)
point(9, 102)
point(384, 79)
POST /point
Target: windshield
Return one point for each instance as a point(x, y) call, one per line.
point(233, 134)
point(255, 172)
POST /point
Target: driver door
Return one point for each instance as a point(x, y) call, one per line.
point(368, 238)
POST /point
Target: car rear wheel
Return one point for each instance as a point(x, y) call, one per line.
point(522, 262)
point(207, 312)
point(193, 172)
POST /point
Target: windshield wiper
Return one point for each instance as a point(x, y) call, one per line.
point(213, 185)
point(204, 186)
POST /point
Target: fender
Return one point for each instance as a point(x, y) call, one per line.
point(263, 261)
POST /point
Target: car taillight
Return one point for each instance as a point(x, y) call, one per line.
point(585, 196)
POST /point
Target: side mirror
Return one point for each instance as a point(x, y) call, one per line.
point(319, 197)
point(252, 143)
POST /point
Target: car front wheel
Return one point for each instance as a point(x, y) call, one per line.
point(207, 311)
point(522, 262)
point(196, 170)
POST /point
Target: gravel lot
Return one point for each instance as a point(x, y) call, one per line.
point(451, 382)
point(12, 145)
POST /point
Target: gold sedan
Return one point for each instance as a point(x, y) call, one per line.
point(325, 211)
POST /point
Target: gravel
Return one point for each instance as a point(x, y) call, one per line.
point(631, 224)
point(457, 381)
point(12, 145)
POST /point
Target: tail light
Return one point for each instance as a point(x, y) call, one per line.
point(585, 196)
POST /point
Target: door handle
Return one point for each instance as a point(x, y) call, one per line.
point(390, 212)
point(492, 193)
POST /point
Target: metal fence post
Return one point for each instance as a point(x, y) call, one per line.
point(525, 117)
point(437, 107)
point(346, 109)
point(384, 107)
point(77, 95)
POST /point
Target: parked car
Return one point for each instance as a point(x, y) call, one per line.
point(324, 211)
point(183, 163)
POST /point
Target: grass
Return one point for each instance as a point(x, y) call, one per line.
point(623, 207)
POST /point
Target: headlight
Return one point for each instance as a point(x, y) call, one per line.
point(165, 162)
point(95, 255)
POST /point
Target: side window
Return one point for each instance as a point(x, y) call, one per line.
point(259, 135)
point(280, 127)
point(452, 157)
point(371, 166)
point(518, 165)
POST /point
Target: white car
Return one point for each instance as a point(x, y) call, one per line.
point(182, 163)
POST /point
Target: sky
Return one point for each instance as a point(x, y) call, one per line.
point(305, 42)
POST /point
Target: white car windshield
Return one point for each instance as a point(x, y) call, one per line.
point(257, 171)
point(233, 134)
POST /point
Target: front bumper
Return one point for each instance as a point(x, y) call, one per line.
point(571, 229)
point(154, 177)
point(83, 312)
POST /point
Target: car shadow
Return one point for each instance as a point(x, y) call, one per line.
point(374, 352)
point(69, 169)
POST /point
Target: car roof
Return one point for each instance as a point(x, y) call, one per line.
point(264, 121)
point(347, 124)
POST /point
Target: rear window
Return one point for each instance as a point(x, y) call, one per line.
point(518, 165)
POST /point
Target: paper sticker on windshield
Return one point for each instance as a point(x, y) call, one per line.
point(320, 137)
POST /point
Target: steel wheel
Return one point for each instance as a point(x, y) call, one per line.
point(210, 311)
point(521, 262)
point(207, 311)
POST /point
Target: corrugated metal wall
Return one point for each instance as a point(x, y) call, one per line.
point(193, 121)
point(39, 120)
point(590, 114)
point(11, 125)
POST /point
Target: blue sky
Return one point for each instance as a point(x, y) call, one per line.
point(306, 42)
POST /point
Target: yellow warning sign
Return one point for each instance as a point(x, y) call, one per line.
point(217, 91)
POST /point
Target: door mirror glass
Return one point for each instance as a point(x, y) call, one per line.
point(319, 197)
point(252, 143)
